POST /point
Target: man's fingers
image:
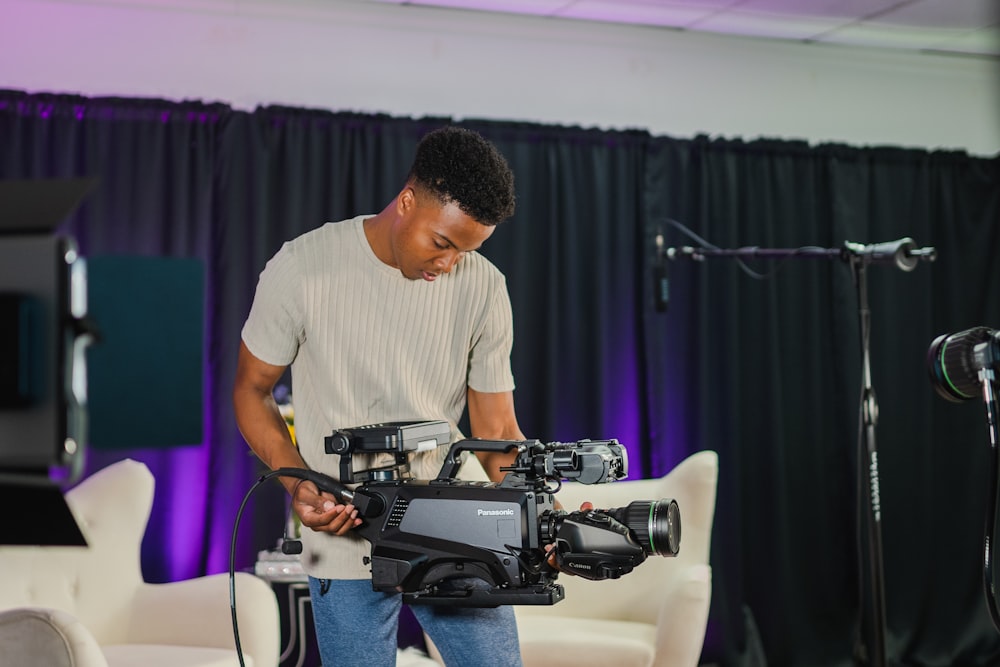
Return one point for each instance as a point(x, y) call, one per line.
point(320, 511)
point(346, 517)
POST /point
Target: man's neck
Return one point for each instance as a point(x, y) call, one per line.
point(377, 232)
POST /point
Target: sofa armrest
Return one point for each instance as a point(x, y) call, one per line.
point(41, 636)
point(196, 612)
point(683, 617)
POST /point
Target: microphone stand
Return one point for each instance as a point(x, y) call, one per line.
point(866, 443)
point(987, 376)
point(904, 255)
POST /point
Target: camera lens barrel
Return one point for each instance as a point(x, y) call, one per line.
point(953, 363)
point(656, 524)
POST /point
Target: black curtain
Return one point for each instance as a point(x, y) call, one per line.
point(764, 366)
point(760, 363)
point(572, 255)
point(153, 161)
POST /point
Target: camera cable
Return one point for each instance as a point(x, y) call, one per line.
point(301, 474)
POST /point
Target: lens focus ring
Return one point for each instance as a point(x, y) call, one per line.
point(657, 525)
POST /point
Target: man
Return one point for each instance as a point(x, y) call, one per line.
point(387, 317)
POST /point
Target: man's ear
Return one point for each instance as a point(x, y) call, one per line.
point(406, 201)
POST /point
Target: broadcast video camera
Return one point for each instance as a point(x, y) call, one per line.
point(427, 534)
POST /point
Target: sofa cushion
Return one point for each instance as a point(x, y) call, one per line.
point(569, 642)
point(162, 655)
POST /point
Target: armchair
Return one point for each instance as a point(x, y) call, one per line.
point(654, 616)
point(89, 606)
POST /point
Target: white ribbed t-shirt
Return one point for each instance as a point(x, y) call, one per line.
point(367, 345)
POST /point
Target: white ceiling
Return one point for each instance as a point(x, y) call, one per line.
point(961, 27)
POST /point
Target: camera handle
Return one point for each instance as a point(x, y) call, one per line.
point(453, 459)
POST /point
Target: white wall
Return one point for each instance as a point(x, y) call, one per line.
point(413, 61)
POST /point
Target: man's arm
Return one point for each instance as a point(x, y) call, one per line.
point(491, 417)
point(264, 429)
point(258, 417)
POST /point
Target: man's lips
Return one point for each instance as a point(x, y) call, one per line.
point(428, 276)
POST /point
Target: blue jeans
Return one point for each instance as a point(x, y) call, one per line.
point(356, 627)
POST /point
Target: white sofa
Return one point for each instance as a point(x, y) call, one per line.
point(654, 616)
point(90, 607)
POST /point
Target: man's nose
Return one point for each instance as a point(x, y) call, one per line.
point(446, 262)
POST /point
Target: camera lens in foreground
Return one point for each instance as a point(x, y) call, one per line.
point(951, 361)
point(656, 524)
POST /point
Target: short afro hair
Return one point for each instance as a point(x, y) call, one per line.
point(459, 166)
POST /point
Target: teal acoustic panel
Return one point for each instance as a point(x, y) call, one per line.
point(145, 368)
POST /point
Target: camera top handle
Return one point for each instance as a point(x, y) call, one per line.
point(453, 459)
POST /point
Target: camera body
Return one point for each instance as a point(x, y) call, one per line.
point(483, 544)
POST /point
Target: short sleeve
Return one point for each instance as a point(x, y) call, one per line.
point(275, 329)
point(489, 360)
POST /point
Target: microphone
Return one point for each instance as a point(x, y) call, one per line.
point(661, 279)
point(904, 253)
point(954, 362)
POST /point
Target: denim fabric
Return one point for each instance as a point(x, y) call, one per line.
point(356, 627)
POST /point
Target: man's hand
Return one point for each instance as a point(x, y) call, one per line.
point(584, 507)
point(321, 512)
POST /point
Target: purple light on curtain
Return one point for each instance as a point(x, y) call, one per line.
point(671, 444)
point(621, 406)
point(195, 492)
point(670, 438)
point(616, 411)
point(221, 500)
point(183, 481)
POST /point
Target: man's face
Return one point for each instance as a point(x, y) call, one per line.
point(430, 239)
